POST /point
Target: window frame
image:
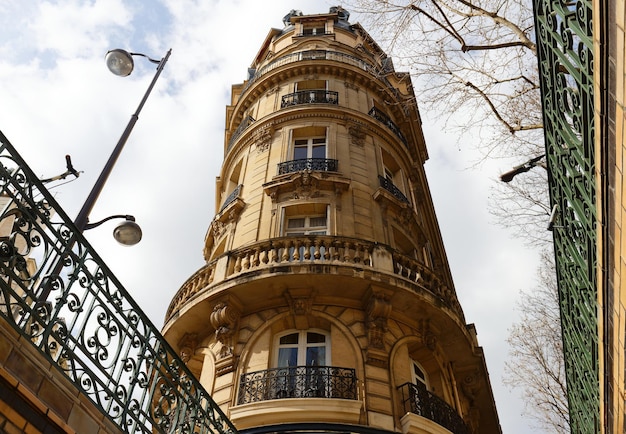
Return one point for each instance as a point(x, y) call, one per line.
point(301, 346)
point(415, 379)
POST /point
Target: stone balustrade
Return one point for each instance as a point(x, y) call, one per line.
point(315, 249)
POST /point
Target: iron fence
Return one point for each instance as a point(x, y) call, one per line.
point(56, 291)
point(391, 188)
point(418, 400)
point(312, 96)
point(297, 382)
point(314, 164)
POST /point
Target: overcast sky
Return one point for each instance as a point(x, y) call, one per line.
point(57, 97)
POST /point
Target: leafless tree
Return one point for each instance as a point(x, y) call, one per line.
point(537, 353)
point(474, 66)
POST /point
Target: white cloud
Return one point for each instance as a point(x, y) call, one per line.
point(58, 98)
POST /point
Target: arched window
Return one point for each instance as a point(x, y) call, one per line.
point(303, 348)
point(418, 375)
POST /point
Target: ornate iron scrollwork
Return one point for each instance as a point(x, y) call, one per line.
point(56, 290)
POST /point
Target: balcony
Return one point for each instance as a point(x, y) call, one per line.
point(245, 123)
point(317, 55)
point(417, 400)
point(312, 164)
point(298, 382)
point(382, 117)
point(391, 188)
point(231, 197)
point(313, 96)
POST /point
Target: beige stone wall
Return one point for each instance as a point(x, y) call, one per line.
point(616, 94)
point(50, 395)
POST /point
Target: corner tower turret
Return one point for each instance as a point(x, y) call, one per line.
point(326, 302)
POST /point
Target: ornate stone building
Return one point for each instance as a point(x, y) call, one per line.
point(326, 302)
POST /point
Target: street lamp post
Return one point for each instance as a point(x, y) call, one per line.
point(120, 63)
point(522, 168)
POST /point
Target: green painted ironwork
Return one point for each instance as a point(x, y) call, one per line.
point(565, 52)
point(56, 291)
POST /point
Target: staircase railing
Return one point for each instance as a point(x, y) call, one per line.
point(83, 320)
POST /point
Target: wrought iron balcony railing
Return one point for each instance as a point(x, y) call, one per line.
point(245, 123)
point(297, 382)
point(314, 164)
point(231, 197)
point(382, 117)
point(334, 56)
point(391, 188)
point(82, 319)
point(313, 96)
point(418, 400)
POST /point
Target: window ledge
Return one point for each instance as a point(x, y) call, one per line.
point(296, 410)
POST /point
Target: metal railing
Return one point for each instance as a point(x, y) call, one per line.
point(391, 188)
point(245, 123)
point(313, 55)
point(417, 400)
point(83, 320)
point(231, 197)
point(314, 164)
point(313, 96)
point(297, 382)
point(382, 117)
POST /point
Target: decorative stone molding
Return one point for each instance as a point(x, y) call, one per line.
point(357, 135)
point(350, 85)
point(429, 337)
point(377, 312)
point(300, 303)
point(188, 345)
point(225, 320)
point(263, 138)
point(304, 185)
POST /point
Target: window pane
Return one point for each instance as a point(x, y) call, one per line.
point(316, 222)
point(315, 338)
point(287, 357)
point(316, 356)
point(299, 152)
point(319, 151)
point(289, 339)
point(295, 223)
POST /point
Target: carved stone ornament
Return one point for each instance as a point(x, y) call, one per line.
point(357, 135)
point(377, 312)
point(428, 335)
point(188, 345)
point(225, 318)
point(263, 138)
point(300, 303)
point(306, 186)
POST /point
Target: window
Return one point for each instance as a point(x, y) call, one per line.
point(306, 219)
point(418, 375)
point(303, 348)
point(314, 147)
point(308, 225)
point(310, 29)
point(301, 358)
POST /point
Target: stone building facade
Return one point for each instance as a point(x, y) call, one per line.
point(326, 302)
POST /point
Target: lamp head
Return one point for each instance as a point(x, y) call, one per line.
point(127, 233)
point(120, 62)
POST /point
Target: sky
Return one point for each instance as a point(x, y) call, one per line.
point(57, 97)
